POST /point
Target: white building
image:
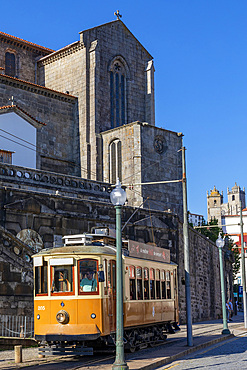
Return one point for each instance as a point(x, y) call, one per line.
point(228, 216)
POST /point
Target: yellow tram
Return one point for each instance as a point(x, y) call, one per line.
point(75, 295)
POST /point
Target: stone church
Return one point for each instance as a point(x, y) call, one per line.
point(92, 104)
point(91, 108)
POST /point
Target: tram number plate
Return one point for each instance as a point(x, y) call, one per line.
point(41, 308)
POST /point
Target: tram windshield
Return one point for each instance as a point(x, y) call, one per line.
point(62, 279)
point(41, 279)
point(88, 278)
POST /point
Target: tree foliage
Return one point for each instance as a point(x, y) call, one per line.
point(236, 256)
point(211, 233)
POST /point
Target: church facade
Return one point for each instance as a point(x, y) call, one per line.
point(92, 104)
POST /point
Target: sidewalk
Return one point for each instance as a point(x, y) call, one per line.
point(204, 334)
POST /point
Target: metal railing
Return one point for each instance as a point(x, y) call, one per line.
point(16, 326)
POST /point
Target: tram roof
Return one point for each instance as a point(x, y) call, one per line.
point(78, 249)
point(90, 249)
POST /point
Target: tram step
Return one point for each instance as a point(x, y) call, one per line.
point(51, 351)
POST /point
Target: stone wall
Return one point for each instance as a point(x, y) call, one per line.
point(58, 139)
point(151, 154)
point(204, 277)
point(26, 54)
point(16, 276)
point(83, 69)
point(161, 160)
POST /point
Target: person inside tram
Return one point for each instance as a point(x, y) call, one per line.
point(88, 283)
point(60, 282)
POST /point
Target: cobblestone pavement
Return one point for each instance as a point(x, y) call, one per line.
point(231, 354)
point(205, 334)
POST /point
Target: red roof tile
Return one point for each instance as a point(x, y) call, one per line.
point(25, 42)
point(14, 107)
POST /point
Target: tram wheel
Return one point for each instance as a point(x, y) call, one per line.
point(131, 341)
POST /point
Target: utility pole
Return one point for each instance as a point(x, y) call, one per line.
point(243, 265)
point(186, 254)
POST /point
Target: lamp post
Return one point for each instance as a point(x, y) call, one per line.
point(118, 198)
point(220, 244)
point(243, 266)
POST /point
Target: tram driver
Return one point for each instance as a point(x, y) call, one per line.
point(88, 283)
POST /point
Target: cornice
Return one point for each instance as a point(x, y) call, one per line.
point(16, 41)
point(37, 89)
point(59, 54)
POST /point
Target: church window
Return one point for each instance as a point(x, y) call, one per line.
point(10, 64)
point(115, 161)
point(233, 197)
point(117, 94)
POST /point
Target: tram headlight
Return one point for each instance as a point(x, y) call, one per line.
point(62, 317)
point(38, 317)
point(93, 315)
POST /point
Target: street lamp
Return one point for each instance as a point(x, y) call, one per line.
point(220, 244)
point(118, 198)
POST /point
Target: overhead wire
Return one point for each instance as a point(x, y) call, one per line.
point(38, 151)
point(74, 164)
point(17, 137)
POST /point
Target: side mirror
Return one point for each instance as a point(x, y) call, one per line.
point(101, 276)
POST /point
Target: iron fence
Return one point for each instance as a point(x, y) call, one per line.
point(16, 326)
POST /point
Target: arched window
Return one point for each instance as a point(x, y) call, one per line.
point(115, 161)
point(10, 64)
point(118, 93)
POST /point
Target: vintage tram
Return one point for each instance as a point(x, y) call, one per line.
point(75, 295)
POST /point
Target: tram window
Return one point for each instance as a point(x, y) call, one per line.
point(114, 277)
point(152, 284)
point(41, 279)
point(109, 276)
point(146, 285)
point(163, 285)
point(158, 296)
point(139, 283)
point(62, 279)
point(168, 284)
point(88, 279)
point(106, 277)
point(132, 282)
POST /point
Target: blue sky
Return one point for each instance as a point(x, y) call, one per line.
point(200, 56)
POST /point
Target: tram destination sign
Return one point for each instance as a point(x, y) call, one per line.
point(148, 252)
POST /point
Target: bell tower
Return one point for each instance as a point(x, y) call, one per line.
point(214, 202)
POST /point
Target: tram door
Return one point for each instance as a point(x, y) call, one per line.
point(112, 294)
point(175, 287)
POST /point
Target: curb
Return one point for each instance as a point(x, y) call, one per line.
point(172, 358)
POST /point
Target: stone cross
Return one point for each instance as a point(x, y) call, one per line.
point(118, 14)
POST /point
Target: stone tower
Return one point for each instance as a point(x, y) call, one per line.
point(214, 204)
point(234, 197)
point(216, 208)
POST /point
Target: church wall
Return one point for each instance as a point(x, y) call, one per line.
point(130, 136)
point(57, 141)
point(114, 40)
point(25, 56)
point(161, 161)
point(83, 70)
point(142, 163)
